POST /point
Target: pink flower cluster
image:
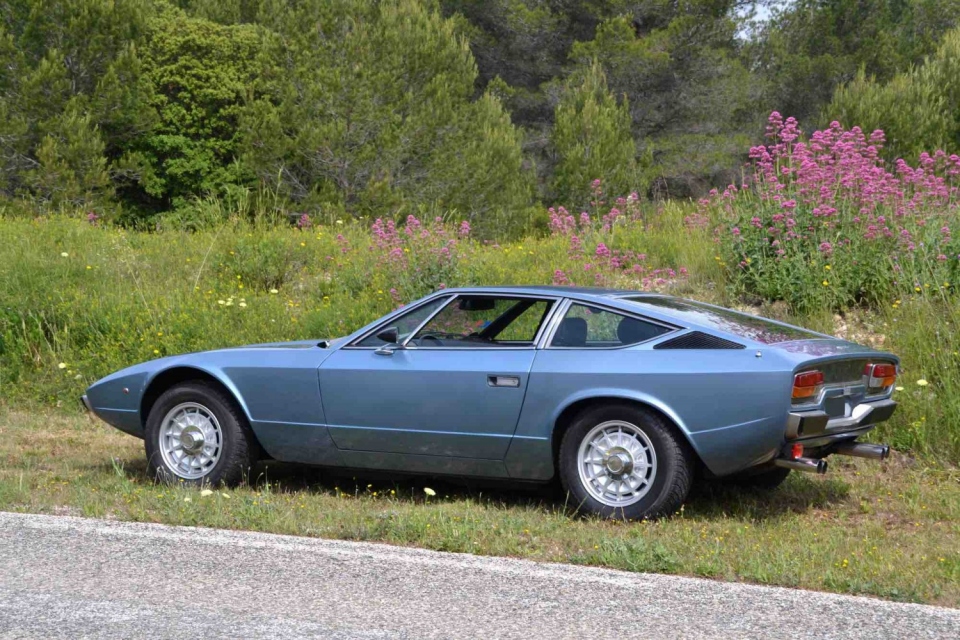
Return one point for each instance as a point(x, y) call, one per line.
point(604, 265)
point(422, 255)
point(625, 210)
point(833, 195)
point(838, 176)
point(396, 245)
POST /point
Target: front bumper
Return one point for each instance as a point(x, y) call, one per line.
point(816, 427)
point(86, 403)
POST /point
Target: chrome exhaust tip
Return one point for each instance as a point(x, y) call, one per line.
point(863, 450)
point(810, 465)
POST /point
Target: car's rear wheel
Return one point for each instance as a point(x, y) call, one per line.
point(623, 461)
point(196, 434)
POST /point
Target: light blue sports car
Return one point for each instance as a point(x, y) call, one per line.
point(623, 396)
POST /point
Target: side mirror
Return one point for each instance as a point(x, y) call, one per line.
point(389, 335)
point(391, 339)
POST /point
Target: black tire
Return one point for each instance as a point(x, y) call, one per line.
point(674, 471)
point(761, 479)
point(238, 448)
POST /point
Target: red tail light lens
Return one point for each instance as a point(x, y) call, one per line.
point(807, 384)
point(880, 376)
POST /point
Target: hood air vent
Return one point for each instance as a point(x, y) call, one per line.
point(698, 340)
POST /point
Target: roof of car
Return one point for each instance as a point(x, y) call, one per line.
point(552, 290)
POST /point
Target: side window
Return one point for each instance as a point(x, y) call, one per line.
point(485, 321)
point(405, 324)
point(585, 326)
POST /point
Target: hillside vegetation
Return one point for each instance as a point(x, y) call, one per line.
point(137, 110)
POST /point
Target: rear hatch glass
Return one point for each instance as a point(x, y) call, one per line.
point(733, 322)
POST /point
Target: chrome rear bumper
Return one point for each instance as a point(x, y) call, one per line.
point(86, 403)
point(817, 424)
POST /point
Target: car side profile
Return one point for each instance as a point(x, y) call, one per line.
point(621, 395)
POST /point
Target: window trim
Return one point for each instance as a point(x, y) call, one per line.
point(557, 302)
point(355, 344)
point(569, 302)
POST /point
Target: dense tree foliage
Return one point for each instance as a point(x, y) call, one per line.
point(918, 110)
point(484, 107)
point(373, 111)
point(811, 46)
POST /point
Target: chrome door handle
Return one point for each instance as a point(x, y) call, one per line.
point(503, 381)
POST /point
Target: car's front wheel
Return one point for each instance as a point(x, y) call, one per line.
point(623, 461)
point(196, 434)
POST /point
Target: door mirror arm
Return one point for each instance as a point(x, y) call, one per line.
point(391, 338)
point(389, 349)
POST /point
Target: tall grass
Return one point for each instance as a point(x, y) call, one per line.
point(79, 299)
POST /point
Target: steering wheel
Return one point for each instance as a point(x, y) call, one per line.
point(434, 340)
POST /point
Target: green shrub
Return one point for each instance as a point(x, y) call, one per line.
point(919, 110)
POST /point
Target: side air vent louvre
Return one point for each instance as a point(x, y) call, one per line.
point(698, 340)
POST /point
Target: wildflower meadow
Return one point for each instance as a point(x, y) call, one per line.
point(820, 231)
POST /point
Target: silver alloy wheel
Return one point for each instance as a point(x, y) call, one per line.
point(190, 440)
point(617, 463)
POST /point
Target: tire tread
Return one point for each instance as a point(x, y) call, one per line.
point(238, 455)
point(681, 469)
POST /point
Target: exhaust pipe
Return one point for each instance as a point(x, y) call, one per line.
point(810, 465)
point(863, 450)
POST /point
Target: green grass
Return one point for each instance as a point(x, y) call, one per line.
point(884, 529)
point(79, 301)
point(97, 299)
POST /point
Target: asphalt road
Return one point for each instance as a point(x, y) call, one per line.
point(76, 578)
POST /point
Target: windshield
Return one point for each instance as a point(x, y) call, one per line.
point(739, 324)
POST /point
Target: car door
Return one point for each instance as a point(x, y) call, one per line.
point(453, 387)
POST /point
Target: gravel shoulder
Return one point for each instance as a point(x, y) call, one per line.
point(74, 577)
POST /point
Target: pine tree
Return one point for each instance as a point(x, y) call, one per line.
point(70, 168)
point(369, 109)
point(592, 140)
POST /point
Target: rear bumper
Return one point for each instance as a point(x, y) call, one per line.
point(816, 427)
point(86, 403)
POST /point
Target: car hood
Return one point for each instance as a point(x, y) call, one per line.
point(294, 344)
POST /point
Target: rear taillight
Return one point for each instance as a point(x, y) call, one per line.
point(807, 384)
point(880, 376)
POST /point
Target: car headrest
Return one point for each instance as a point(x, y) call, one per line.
point(631, 331)
point(572, 332)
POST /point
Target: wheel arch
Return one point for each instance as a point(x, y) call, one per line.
point(168, 378)
point(569, 412)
